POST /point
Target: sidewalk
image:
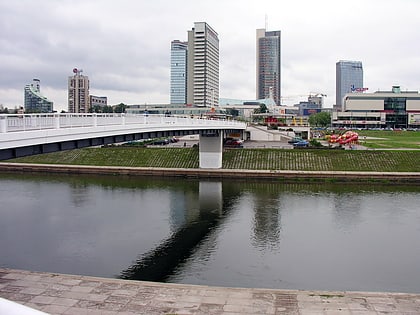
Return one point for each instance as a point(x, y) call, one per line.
point(70, 294)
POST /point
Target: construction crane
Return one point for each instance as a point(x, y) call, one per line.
point(317, 94)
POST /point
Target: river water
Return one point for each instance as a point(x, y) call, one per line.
point(226, 233)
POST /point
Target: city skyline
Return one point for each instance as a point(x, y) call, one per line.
point(125, 49)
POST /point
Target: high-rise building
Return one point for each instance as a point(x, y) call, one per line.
point(269, 65)
point(349, 78)
point(78, 89)
point(179, 53)
point(203, 66)
point(34, 101)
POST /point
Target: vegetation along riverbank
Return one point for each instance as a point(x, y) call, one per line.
point(384, 164)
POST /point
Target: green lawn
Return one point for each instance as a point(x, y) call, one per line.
point(254, 159)
point(389, 139)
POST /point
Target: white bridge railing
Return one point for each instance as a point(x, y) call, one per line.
point(28, 122)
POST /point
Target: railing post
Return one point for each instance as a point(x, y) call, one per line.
point(95, 120)
point(57, 121)
point(3, 124)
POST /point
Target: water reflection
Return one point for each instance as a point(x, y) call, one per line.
point(161, 262)
point(229, 233)
point(267, 221)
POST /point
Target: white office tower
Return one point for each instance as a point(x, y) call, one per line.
point(203, 66)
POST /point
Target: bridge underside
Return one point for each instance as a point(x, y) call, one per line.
point(205, 135)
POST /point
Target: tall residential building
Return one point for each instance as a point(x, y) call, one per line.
point(34, 101)
point(179, 53)
point(203, 66)
point(78, 97)
point(269, 65)
point(349, 78)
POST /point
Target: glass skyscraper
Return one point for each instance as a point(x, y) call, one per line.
point(349, 78)
point(34, 101)
point(179, 56)
point(269, 65)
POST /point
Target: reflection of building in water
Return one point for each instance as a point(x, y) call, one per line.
point(267, 221)
point(79, 194)
point(346, 210)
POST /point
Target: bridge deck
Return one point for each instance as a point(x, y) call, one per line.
point(70, 294)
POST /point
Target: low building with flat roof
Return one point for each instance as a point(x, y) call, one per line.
point(381, 109)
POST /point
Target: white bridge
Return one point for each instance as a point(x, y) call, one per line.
point(29, 134)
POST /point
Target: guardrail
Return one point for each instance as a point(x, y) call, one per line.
point(27, 122)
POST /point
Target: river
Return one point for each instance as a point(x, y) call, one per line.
point(264, 234)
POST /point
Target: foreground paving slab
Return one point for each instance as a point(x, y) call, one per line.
point(69, 294)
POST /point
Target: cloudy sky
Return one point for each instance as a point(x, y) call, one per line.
point(124, 46)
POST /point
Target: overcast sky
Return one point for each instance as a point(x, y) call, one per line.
point(124, 46)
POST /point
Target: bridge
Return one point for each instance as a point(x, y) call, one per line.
point(29, 134)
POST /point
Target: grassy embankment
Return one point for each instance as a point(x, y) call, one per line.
point(389, 139)
point(257, 159)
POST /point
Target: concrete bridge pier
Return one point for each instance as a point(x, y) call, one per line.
point(210, 149)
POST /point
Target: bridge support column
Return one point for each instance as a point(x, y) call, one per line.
point(210, 150)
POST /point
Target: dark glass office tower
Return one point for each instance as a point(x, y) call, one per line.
point(269, 65)
point(349, 78)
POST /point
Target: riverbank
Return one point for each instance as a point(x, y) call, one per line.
point(71, 294)
point(281, 175)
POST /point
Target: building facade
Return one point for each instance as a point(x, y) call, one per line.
point(203, 66)
point(269, 65)
point(179, 55)
point(78, 92)
point(34, 102)
point(382, 109)
point(349, 78)
point(99, 101)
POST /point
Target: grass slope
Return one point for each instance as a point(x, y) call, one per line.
point(254, 159)
point(390, 139)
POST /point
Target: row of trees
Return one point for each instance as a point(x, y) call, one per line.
point(120, 108)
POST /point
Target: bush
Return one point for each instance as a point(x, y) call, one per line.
point(315, 143)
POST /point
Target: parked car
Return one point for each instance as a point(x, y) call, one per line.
point(160, 142)
point(294, 140)
point(301, 144)
point(234, 143)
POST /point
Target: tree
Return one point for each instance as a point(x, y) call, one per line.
point(120, 108)
point(322, 119)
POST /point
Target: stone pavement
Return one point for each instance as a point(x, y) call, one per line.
point(69, 294)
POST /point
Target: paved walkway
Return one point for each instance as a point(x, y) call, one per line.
point(68, 294)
